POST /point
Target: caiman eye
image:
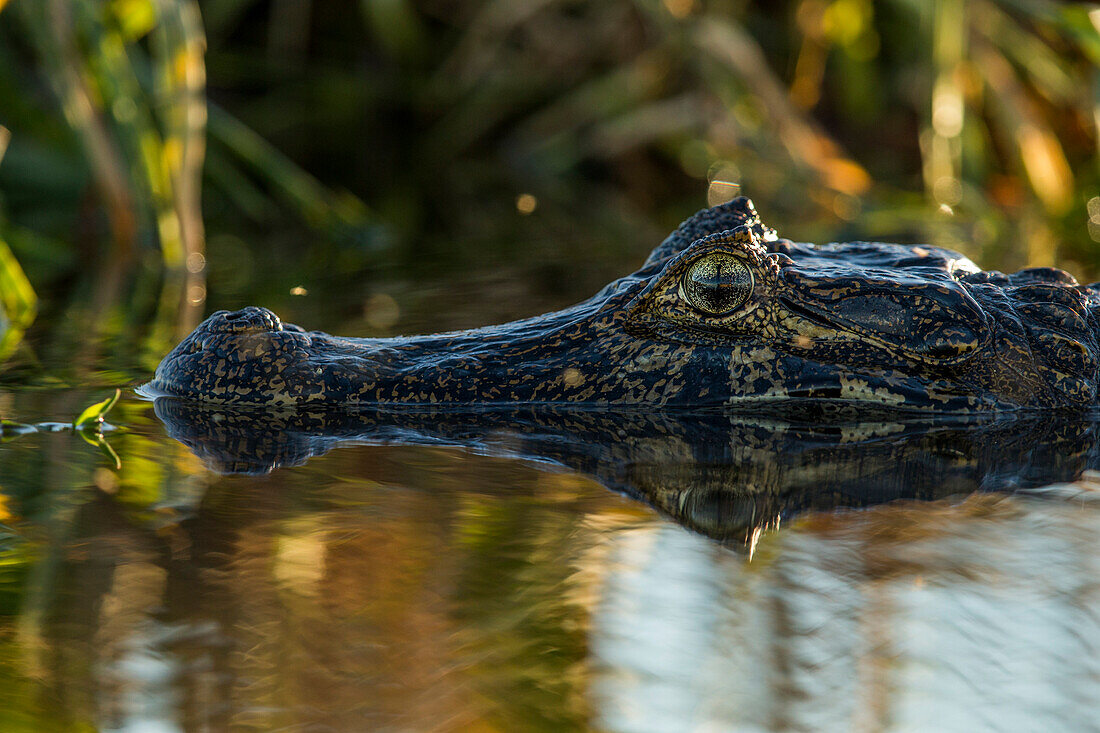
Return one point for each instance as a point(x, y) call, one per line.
point(716, 284)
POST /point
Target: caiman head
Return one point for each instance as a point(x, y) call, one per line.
point(722, 314)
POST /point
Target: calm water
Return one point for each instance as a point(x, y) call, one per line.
point(468, 579)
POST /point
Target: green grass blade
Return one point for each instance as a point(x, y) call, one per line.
point(318, 206)
point(18, 300)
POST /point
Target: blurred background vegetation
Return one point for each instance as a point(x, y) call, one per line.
point(341, 161)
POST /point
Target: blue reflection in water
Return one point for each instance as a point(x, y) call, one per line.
point(980, 615)
point(653, 631)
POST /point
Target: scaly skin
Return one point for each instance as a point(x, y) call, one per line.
point(895, 326)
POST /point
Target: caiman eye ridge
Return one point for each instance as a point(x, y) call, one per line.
point(717, 284)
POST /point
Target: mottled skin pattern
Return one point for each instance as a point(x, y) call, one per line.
point(901, 327)
point(722, 473)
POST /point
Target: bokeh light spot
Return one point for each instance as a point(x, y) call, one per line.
point(196, 294)
point(724, 185)
point(381, 311)
point(572, 377)
point(526, 204)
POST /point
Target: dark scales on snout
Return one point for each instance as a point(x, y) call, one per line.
point(722, 313)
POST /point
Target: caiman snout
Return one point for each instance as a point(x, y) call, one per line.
point(248, 355)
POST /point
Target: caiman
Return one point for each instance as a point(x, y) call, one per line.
point(723, 313)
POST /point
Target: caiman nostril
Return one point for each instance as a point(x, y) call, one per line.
point(246, 320)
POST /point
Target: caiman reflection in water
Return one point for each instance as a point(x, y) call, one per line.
point(724, 475)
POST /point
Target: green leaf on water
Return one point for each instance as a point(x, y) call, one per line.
point(92, 417)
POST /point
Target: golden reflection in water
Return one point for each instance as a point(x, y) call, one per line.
point(376, 588)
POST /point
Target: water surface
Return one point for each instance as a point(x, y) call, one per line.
point(460, 577)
